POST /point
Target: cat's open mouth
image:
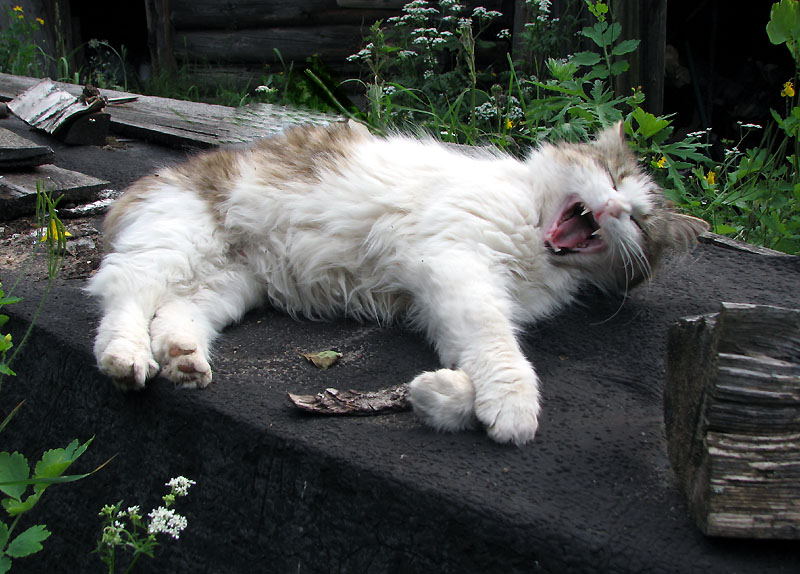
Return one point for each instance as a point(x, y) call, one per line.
point(575, 230)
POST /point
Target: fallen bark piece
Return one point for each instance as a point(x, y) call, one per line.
point(356, 403)
point(732, 415)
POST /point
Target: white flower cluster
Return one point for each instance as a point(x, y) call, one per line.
point(180, 485)
point(167, 521)
point(488, 110)
point(481, 12)
point(363, 54)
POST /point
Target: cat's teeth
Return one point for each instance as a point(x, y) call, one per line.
point(596, 232)
point(585, 211)
point(556, 248)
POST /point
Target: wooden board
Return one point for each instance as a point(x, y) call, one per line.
point(732, 415)
point(177, 123)
point(17, 152)
point(18, 189)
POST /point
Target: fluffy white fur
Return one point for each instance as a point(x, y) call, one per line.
point(464, 245)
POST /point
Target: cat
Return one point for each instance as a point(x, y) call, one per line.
point(466, 245)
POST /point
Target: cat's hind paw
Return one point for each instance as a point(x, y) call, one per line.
point(186, 367)
point(512, 417)
point(444, 399)
point(129, 368)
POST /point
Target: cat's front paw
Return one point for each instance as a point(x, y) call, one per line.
point(511, 414)
point(444, 399)
point(128, 365)
point(186, 367)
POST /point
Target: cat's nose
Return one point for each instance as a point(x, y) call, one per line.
point(614, 207)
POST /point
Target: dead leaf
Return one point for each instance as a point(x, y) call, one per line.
point(323, 359)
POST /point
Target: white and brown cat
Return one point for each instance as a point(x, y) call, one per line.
point(467, 246)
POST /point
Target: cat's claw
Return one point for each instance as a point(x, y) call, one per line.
point(128, 369)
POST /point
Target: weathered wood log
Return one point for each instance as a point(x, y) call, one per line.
point(17, 152)
point(732, 415)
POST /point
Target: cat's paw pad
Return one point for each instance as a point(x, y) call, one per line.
point(444, 399)
point(186, 367)
point(512, 417)
point(127, 366)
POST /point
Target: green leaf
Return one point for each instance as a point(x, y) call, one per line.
point(784, 22)
point(595, 33)
point(586, 58)
point(6, 370)
point(5, 564)
point(55, 461)
point(15, 507)
point(619, 67)
point(723, 229)
point(649, 125)
point(13, 468)
point(3, 535)
point(625, 47)
point(29, 542)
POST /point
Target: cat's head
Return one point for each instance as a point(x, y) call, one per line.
point(605, 215)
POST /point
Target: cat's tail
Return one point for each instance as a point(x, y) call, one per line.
point(444, 399)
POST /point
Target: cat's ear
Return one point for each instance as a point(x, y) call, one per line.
point(674, 231)
point(612, 136)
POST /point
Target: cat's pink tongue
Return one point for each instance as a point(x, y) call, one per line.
point(571, 232)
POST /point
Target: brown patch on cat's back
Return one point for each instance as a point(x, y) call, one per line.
point(303, 153)
point(211, 174)
point(135, 194)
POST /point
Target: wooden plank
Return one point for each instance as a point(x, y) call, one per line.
point(180, 123)
point(18, 189)
point(17, 152)
point(732, 414)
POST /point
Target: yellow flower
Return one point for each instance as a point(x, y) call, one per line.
point(52, 231)
point(509, 124)
point(711, 178)
point(662, 162)
point(788, 90)
point(40, 21)
point(18, 9)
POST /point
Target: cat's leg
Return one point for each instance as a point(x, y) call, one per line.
point(468, 315)
point(180, 338)
point(184, 328)
point(122, 344)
